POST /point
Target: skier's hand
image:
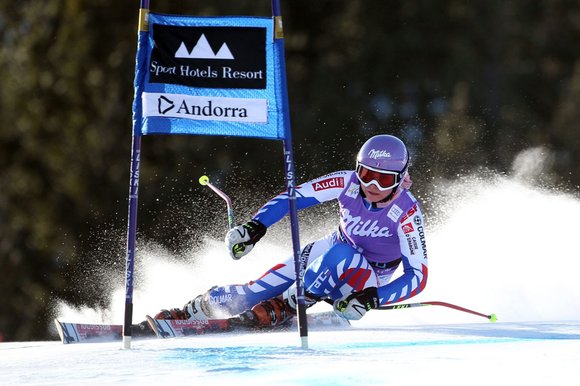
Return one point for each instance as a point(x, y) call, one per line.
point(356, 304)
point(241, 239)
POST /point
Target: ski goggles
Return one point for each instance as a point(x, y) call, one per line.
point(382, 179)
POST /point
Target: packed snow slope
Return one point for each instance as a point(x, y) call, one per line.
point(465, 354)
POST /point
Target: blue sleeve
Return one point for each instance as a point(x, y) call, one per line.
point(321, 189)
point(409, 284)
point(275, 209)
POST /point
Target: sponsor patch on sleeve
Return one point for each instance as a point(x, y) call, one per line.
point(353, 190)
point(329, 183)
point(408, 228)
point(417, 220)
point(394, 213)
point(409, 213)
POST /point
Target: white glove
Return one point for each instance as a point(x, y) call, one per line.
point(241, 239)
point(355, 305)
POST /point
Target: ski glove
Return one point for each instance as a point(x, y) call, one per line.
point(356, 304)
point(241, 239)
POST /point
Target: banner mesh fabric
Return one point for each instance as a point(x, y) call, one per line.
point(209, 76)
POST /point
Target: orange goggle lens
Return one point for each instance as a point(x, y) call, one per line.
point(385, 179)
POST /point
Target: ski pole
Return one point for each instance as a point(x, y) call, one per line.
point(204, 180)
point(491, 317)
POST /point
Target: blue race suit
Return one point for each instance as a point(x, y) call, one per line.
point(369, 245)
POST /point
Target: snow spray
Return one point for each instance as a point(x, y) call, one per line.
point(497, 243)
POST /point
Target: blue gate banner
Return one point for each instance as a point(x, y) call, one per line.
point(209, 76)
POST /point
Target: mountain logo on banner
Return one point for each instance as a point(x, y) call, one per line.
point(202, 50)
point(209, 57)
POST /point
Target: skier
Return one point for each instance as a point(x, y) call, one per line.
point(380, 228)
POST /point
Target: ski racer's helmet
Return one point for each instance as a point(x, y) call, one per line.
point(382, 161)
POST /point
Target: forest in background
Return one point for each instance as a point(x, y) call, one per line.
point(468, 85)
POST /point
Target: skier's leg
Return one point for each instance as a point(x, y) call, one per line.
point(224, 301)
point(340, 271)
point(273, 312)
point(229, 300)
point(220, 302)
point(310, 253)
point(263, 295)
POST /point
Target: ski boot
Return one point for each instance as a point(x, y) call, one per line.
point(269, 313)
point(195, 309)
point(198, 308)
point(142, 330)
point(174, 313)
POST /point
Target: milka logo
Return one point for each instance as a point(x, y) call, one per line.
point(353, 226)
point(376, 154)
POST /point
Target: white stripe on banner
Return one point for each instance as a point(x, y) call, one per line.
point(205, 108)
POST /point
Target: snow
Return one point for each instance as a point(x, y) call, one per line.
point(465, 354)
point(498, 246)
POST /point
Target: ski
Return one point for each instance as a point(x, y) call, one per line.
point(82, 332)
point(167, 328)
point(88, 333)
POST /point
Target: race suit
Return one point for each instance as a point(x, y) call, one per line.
point(365, 251)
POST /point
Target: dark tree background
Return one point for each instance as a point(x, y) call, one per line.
point(465, 84)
